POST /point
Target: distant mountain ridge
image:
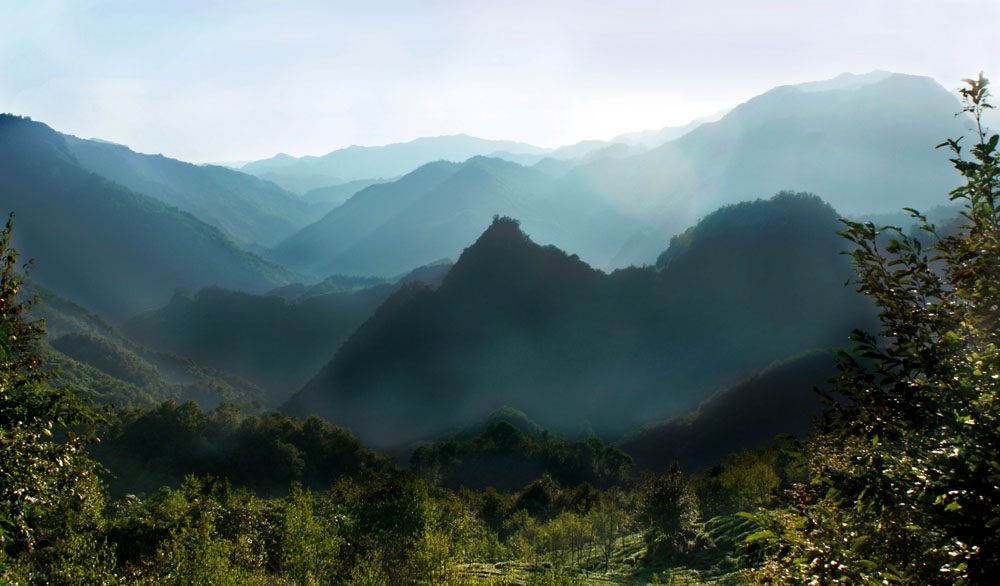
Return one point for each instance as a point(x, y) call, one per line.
point(435, 211)
point(102, 245)
point(865, 143)
point(868, 149)
point(374, 163)
point(249, 210)
point(314, 247)
point(392, 160)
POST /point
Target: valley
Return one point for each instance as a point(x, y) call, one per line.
point(465, 361)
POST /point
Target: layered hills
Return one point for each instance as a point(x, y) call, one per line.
point(103, 245)
point(363, 162)
point(86, 352)
point(251, 211)
point(436, 210)
point(278, 342)
point(865, 143)
point(528, 326)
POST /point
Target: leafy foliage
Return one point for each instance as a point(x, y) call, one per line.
point(147, 448)
point(49, 491)
point(904, 478)
point(668, 509)
point(506, 458)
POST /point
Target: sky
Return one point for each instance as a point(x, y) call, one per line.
point(227, 80)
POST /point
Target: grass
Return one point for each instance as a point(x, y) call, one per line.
point(713, 564)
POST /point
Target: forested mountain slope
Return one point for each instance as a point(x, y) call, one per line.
point(518, 324)
point(113, 250)
point(276, 342)
point(249, 210)
point(777, 400)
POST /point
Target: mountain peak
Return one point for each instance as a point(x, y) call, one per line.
point(505, 228)
point(846, 81)
point(505, 258)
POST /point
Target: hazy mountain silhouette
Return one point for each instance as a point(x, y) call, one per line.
point(446, 218)
point(392, 160)
point(518, 324)
point(312, 249)
point(247, 209)
point(865, 143)
point(326, 198)
point(435, 211)
point(654, 138)
point(103, 245)
point(278, 343)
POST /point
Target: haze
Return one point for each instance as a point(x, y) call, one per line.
point(228, 81)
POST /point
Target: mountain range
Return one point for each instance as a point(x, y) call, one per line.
point(361, 162)
point(227, 286)
point(435, 211)
point(863, 143)
point(531, 327)
point(278, 340)
point(103, 245)
point(250, 211)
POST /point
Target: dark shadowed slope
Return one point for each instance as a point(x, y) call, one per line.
point(276, 342)
point(778, 400)
point(247, 209)
point(89, 354)
point(527, 326)
point(102, 245)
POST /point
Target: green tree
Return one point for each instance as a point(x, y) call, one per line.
point(196, 555)
point(668, 509)
point(49, 492)
point(904, 478)
point(309, 545)
point(609, 520)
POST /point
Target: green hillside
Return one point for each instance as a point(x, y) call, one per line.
point(250, 211)
point(102, 245)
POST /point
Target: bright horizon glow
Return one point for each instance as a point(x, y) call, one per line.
point(244, 80)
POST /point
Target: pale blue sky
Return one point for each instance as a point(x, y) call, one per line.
point(236, 80)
